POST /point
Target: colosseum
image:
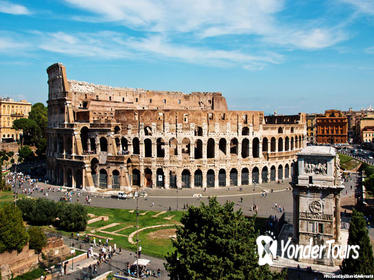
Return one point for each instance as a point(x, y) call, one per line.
point(101, 137)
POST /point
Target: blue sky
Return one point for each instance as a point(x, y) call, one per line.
point(268, 55)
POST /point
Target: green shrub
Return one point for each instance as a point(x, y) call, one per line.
point(38, 240)
point(68, 217)
point(13, 234)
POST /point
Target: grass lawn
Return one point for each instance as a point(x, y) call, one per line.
point(126, 220)
point(34, 274)
point(347, 162)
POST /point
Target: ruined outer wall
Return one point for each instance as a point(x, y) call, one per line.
point(98, 136)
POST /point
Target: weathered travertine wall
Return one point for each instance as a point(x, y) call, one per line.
point(13, 263)
point(104, 137)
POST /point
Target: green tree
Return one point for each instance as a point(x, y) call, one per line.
point(71, 217)
point(25, 154)
point(38, 240)
point(358, 235)
point(13, 234)
point(31, 130)
point(39, 114)
point(216, 242)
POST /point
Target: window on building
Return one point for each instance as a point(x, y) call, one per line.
point(320, 228)
point(136, 99)
point(97, 97)
point(179, 101)
point(123, 99)
point(150, 100)
point(164, 101)
point(310, 226)
point(110, 98)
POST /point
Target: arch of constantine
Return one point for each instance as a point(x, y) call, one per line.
point(117, 138)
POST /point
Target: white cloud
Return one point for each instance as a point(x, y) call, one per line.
point(99, 45)
point(13, 9)
point(9, 44)
point(254, 19)
point(316, 38)
point(363, 6)
point(370, 50)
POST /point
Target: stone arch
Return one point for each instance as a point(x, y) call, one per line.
point(115, 179)
point(135, 146)
point(117, 129)
point(198, 149)
point(147, 147)
point(296, 142)
point(93, 145)
point(186, 147)
point(160, 180)
point(222, 178)
point(245, 131)
point(286, 171)
point(69, 177)
point(103, 144)
point(222, 144)
point(198, 178)
point(198, 131)
point(210, 148)
point(136, 177)
point(245, 148)
point(234, 177)
point(287, 144)
point(272, 173)
point(147, 131)
point(84, 138)
point(300, 142)
point(265, 144)
point(210, 178)
point(186, 178)
point(173, 147)
point(280, 144)
point(103, 179)
point(292, 144)
point(264, 174)
point(234, 146)
point(124, 144)
point(256, 148)
point(148, 177)
point(173, 179)
point(255, 175)
point(245, 176)
point(280, 172)
point(78, 178)
point(160, 147)
point(273, 144)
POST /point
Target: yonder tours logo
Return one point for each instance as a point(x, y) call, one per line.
point(267, 247)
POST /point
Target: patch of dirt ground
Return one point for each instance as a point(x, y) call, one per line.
point(162, 234)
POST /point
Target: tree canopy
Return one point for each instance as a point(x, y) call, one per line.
point(13, 234)
point(38, 240)
point(216, 242)
point(358, 235)
point(34, 127)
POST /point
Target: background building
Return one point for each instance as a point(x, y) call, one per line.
point(116, 138)
point(365, 128)
point(311, 127)
point(332, 128)
point(10, 111)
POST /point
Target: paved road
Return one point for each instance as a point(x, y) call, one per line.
point(158, 199)
point(117, 264)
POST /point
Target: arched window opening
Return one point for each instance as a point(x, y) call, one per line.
point(222, 178)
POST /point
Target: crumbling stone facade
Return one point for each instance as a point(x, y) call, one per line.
point(117, 138)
